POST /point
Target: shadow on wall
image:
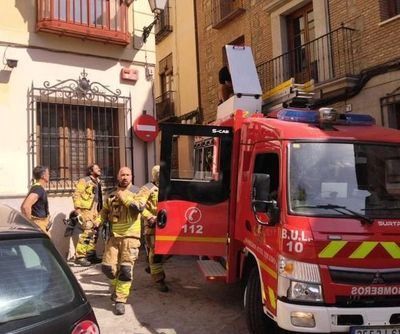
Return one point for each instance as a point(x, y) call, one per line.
point(5, 76)
point(66, 245)
point(62, 243)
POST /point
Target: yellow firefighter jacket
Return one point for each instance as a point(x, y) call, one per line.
point(87, 199)
point(86, 193)
point(123, 213)
point(150, 192)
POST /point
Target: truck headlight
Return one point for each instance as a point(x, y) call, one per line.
point(299, 281)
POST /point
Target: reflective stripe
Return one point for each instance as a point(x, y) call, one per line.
point(263, 297)
point(270, 271)
point(392, 248)
point(190, 239)
point(363, 250)
point(272, 299)
point(332, 249)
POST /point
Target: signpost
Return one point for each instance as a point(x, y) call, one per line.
point(146, 128)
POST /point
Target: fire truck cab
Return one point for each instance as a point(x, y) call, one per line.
point(301, 205)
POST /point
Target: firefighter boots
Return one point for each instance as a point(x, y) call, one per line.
point(162, 287)
point(83, 262)
point(119, 308)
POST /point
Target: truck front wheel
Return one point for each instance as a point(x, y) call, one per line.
point(257, 321)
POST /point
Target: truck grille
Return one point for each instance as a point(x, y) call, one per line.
point(364, 276)
point(367, 301)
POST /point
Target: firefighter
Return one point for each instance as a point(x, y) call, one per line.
point(150, 190)
point(122, 211)
point(88, 201)
point(35, 206)
point(225, 88)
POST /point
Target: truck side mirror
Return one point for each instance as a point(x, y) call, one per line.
point(266, 211)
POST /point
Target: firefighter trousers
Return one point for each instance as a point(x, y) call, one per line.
point(119, 258)
point(86, 246)
point(155, 260)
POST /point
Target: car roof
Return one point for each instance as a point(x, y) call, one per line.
point(13, 221)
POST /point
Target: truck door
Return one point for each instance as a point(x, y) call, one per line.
point(194, 192)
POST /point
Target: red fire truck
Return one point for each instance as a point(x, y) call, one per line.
point(303, 206)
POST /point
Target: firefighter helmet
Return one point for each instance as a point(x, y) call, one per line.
point(155, 174)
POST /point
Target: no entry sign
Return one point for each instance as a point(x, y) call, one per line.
point(145, 128)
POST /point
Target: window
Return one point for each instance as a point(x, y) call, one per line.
point(268, 163)
point(35, 287)
point(163, 24)
point(224, 11)
point(362, 177)
point(166, 72)
point(390, 106)
point(165, 107)
point(199, 168)
point(102, 20)
point(394, 116)
point(393, 8)
point(70, 137)
point(301, 31)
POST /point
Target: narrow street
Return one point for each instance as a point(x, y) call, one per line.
point(193, 304)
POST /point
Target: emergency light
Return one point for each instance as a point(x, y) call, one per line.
point(302, 116)
point(357, 119)
point(313, 117)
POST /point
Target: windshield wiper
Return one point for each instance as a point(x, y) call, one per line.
point(338, 208)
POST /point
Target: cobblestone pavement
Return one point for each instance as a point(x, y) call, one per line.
point(193, 305)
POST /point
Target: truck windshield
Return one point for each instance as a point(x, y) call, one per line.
point(363, 178)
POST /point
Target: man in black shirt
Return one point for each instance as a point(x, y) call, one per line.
point(35, 205)
point(225, 89)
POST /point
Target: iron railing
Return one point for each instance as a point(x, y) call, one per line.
point(224, 10)
point(102, 20)
point(328, 57)
point(165, 106)
point(163, 25)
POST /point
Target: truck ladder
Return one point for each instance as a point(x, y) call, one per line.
point(289, 94)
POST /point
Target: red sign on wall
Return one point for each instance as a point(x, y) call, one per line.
point(145, 128)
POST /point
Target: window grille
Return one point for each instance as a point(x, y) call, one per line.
point(390, 109)
point(75, 123)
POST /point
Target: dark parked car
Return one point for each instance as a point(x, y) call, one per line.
point(38, 291)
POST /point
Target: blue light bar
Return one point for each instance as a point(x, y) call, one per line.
point(302, 116)
point(356, 119)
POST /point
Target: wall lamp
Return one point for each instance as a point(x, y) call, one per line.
point(12, 63)
point(157, 6)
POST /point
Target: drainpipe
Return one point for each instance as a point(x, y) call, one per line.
point(197, 63)
point(131, 130)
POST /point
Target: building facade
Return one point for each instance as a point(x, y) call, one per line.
point(176, 77)
point(75, 77)
point(346, 51)
point(176, 86)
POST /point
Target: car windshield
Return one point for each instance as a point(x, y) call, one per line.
point(32, 281)
point(344, 179)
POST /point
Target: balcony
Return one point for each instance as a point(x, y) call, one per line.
point(163, 26)
point(165, 107)
point(328, 60)
point(98, 20)
point(224, 11)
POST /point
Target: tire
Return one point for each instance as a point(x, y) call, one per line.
point(257, 321)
